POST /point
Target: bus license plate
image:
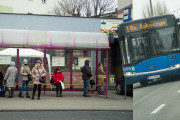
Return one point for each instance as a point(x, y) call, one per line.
point(154, 77)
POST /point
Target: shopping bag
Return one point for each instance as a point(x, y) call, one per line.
point(62, 85)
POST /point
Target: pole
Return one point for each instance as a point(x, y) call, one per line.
point(97, 71)
point(17, 65)
point(125, 94)
point(45, 68)
point(106, 73)
point(151, 7)
point(71, 60)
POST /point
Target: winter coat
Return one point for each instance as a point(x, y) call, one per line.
point(101, 72)
point(57, 77)
point(25, 70)
point(1, 78)
point(86, 71)
point(11, 76)
point(36, 75)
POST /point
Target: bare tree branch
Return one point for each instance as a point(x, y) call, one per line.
point(84, 8)
point(159, 8)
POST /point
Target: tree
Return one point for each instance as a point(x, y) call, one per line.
point(159, 8)
point(84, 8)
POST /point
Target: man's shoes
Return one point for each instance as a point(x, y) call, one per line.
point(86, 95)
point(27, 95)
point(20, 95)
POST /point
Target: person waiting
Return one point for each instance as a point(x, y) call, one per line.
point(10, 78)
point(86, 75)
point(58, 78)
point(25, 71)
point(38, 72)
point(101, 80)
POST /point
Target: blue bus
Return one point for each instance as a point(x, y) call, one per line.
point(150, 48)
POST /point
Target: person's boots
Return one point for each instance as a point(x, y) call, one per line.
point(12, 93)
point(27, 95)
point(33, 95)
point(20, 95)
point(39, 93)
point(60, 94)
point(56, 93)
point(9, 96)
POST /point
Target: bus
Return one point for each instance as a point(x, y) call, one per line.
point(150, 48)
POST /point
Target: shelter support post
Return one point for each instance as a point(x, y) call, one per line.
point(97, 71)
point(71, 61)
point(45, 69)
point(125, 84)
point(17, 65)
point(106, 73)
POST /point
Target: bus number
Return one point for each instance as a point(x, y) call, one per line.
point(127, 28)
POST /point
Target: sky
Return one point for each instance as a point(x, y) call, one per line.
point(172, 5)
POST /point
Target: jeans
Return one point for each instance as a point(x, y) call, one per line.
point(86, 87)
point(23, 85)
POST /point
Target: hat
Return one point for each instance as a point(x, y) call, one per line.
point(25, 61)
point(12, 63)
point(57, 69)
point(38, 61)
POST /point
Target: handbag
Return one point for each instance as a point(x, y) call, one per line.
point(92, 82)
point(52, 81)
point(62, 85)
point(29, 76)
point(41, 79)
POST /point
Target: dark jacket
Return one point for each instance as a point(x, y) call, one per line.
point(1, 78)
point(86, 71)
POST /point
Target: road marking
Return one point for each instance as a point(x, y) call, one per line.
point(159, 108)
point(178, 91)
point(147, 96)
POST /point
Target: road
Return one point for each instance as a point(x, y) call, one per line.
point(67, 115)
point(160, 100)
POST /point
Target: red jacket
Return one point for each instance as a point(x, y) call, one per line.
point(57, 77)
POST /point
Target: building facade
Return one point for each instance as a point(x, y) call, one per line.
point(124, 4)
point(27, 6)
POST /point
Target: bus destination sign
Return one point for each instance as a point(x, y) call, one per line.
point(146, 25)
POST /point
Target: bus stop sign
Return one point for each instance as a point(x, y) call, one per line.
point(126, 14)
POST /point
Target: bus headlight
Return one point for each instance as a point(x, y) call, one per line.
point(129, 73)
point(175, 66)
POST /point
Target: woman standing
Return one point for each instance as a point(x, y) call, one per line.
point(101, 72)
point(57, 77)
point(25, 71)
point(10, 78)
point(38, 72)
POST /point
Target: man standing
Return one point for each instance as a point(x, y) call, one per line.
point(86, 75)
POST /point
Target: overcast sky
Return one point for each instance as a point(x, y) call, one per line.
point(172, 5)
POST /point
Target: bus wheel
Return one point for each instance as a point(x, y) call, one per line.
point(118, 88)
point(144, 82)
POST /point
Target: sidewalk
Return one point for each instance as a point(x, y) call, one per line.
point(69, 101)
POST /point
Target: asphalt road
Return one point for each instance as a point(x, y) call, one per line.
point(67, 115)
point(160, 100)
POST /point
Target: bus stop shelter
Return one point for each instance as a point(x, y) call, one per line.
point(90, 41)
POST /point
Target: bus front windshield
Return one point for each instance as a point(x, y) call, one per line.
point(144, 45)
